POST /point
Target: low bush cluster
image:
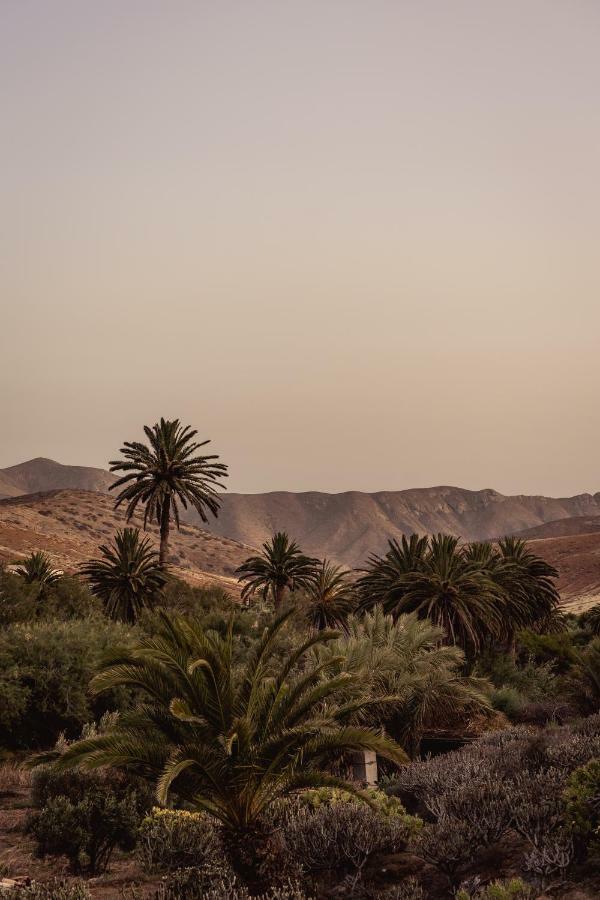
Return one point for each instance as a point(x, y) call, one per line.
point(57, 889)
point(515, 780)
point(85, 816)
point(175, 839)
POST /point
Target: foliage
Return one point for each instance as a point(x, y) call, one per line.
point(582, 806)
point(405, 658)
point(330, 597)
point(174, 839)
point(45, 668)
point(514, 889)
point(196, 884)
point(128, 578)
point(57, 889)
point(343, 837)
point(37, 569)
point(165, 474)
point(378, 800)
point(281, 566)
point(590, 620)
point(64, 599)
point(229, 740)
point(479, 594)
point(85, 815)
point(583, 680)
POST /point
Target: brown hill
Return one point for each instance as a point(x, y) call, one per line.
point(69, 525)
point(348, 527)
point(38, 475)
point(577, 559)
point(570, 527)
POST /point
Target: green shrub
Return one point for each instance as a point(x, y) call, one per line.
point(45, 669)
point(67, 598)
point(582, 806)
point(175, 839)
point(387, 805)
point(193, 884)
point(515, 889)
point(509, 701)
point(85, 815)
point(58, 889)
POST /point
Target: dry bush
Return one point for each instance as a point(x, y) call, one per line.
point(13, 779)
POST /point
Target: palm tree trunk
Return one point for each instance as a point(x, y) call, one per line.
point(279, 592)
point(165, 528)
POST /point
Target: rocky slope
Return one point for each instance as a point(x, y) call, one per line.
point(42, 474)
point(69, 525)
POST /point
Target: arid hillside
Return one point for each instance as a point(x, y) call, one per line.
point(70, 525)
point(41, 474)
point(563, 528)
point(347, 527)
point(577, 558)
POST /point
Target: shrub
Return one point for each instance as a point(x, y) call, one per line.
point(343, 837)
point(58, 889)
point(582, 807)
point(85, 815)
point(385, 804)
point(176, 839)
point(65, 599)
point(509, 701)
point(448, 845)
point(193, 884)
point(44, 673)
point(515, 889)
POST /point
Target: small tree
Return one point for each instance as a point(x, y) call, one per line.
point(128, 578)
point(281, 566)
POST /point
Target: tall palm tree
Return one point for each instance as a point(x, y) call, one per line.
point(281, 566)
point(37, 569)
point(165, 473)
point(330, 597)
point(530, 583)
point(454, 594)
point(230, 740)
point(383, 572)
point(128, 578)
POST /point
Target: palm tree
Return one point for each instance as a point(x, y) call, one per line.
point(165, 474)
point(230, 740)
point(459, 597)
point(281, 566)
point(405, 657)
point(330, 597)
point(383, 572)
point(530, 583)
point(591, 619)
point(128, 578)
point(37, 569)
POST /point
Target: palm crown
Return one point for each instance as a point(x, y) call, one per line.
point(330, 597)
point(165, 473)
point(280, 566)
point(37, 568)
point(128, 577)
point(229, 740)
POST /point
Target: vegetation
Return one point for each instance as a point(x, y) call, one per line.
point(330, 597)
point(166, 472)
point(223, 764)
point(37, 569)
point(281, 566)
point(128, 578)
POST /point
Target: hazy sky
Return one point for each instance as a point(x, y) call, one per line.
point(357, 244)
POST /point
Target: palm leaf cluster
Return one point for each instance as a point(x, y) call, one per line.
point(405, 658)
point(477, 593)
point(128, 577)
point(281, 566)
point(37, 569)
point(166, 473)
point(230, 740)
point(330, 597)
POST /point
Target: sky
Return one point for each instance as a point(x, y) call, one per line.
point(356, 244)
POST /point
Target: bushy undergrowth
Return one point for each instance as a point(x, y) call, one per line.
point(45, 669)
point(57, 889)
point(86, 815)
point(176, 839)
point(510, 780)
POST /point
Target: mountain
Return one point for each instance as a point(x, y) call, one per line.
point(574, 525)
point(69, 525)
point(577, 559)
point(38, 475)
point(348, 527)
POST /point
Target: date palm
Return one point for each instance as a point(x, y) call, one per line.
point(530, 583)
point(37, 569)
point(383, 572)
point(281, 566)
point(229, 740)
point(453, 593)
point(330, 597)
point(167, 472)
point(128, 578)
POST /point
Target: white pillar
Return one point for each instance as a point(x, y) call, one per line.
point(364, 767)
